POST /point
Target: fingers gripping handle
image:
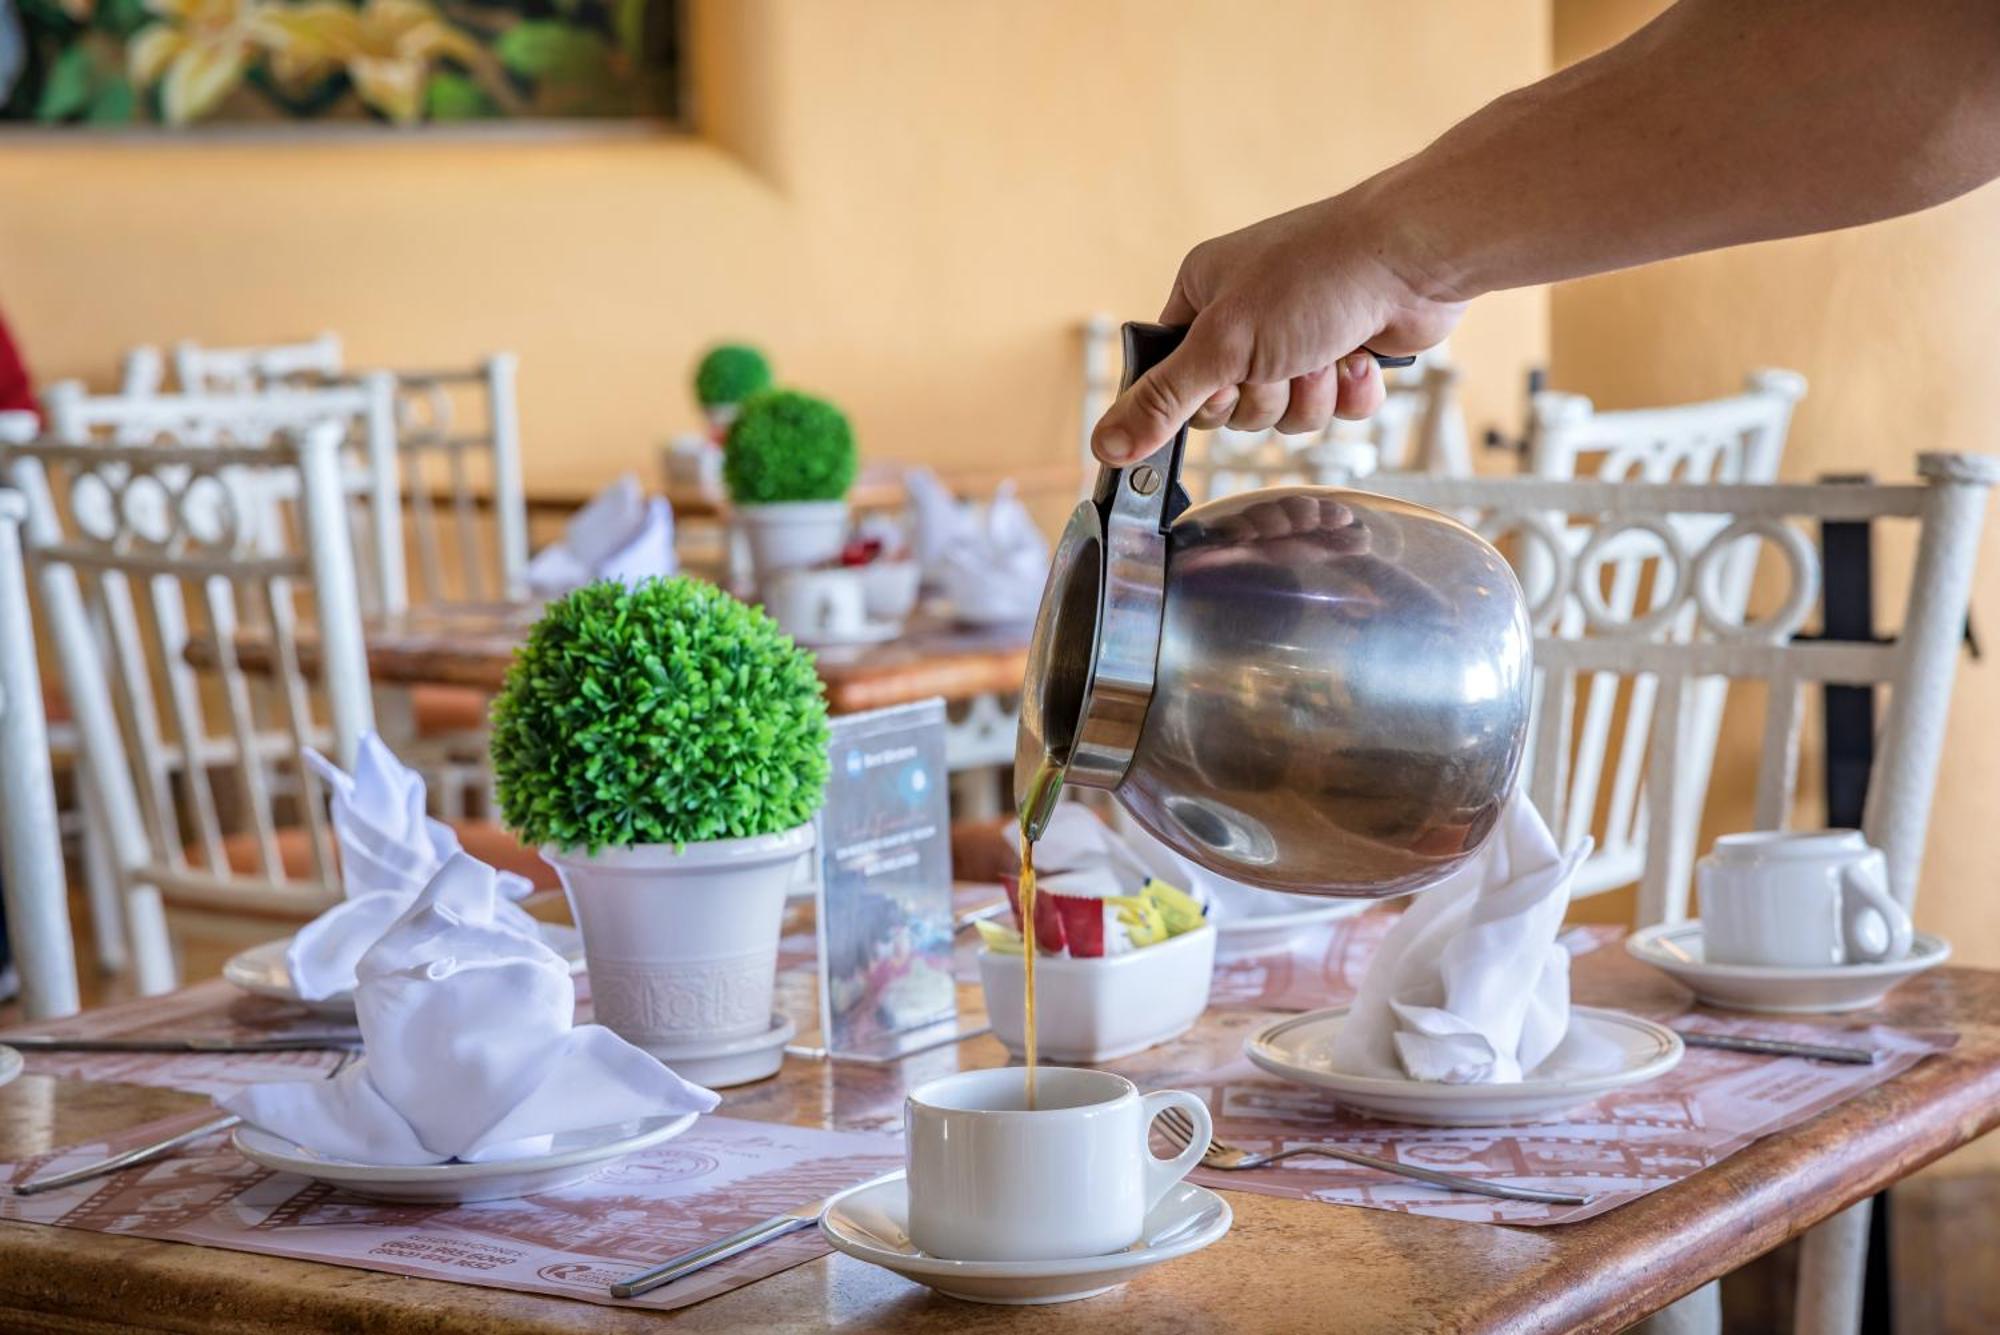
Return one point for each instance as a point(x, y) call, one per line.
point(1162, 1174)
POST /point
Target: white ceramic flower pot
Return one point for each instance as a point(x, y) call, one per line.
point(790, 534)
point(682, 948)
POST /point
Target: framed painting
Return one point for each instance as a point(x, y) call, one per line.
point(191, 63)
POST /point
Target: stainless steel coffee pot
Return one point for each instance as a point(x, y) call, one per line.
point(1304, 688)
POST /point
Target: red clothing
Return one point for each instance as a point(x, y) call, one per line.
point(17, 391)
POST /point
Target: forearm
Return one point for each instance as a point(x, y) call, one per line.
point(1720, 123)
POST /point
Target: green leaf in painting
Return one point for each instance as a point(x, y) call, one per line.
point(67, 88)
point(123, 17)
point(453, 97)
point(113, 104)
point(553, 51)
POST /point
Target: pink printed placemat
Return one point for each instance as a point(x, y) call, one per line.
point(720, 1176)
point(1613, 1150)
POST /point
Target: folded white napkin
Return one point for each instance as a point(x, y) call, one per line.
point(619, 535)
point(472, 1048)
point(389, 850)
point(1470, 986)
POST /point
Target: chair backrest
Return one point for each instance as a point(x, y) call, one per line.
point(458, 435)
point(245, 370)
point(1420, 428)
point(1657, 762)
point(366, 408)
point(1740, 439)
point(31, 863)
point(151, 561)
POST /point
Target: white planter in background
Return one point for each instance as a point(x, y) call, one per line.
point(790, 534)
point(682, 948)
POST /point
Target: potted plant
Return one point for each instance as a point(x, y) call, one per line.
point(788, 462)
point(728, 374)
point(665, 747)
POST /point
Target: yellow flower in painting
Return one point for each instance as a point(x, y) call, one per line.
point(201, 46)
point(386, 45)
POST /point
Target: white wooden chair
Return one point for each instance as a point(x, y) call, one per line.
point(1420, 428)
point(366, 408)
point(1740, 439)
point(243, 370)
point(458, 438)
point(31, 863)
point(1917, 669)
point(144, 550)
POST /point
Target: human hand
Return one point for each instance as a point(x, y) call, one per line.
point(1277, 315)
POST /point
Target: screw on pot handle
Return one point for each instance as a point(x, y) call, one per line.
point(1150, 488)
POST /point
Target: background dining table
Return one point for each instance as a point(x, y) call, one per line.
point(1286, 1261)
point(471, 645)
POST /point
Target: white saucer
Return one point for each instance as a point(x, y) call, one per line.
point(1262, 933)
point(875, 632)
point(261, 971)
point(1676, 950)
point(732, 1061)
point(10, 1064)
point(870, 1223)
point(1300, 1049)
point(575, 1156)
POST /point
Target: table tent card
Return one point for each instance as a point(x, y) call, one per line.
point(883, 866)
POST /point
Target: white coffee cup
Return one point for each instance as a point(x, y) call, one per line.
point(990, 1180)
point(817, 606)
point(1805, 900)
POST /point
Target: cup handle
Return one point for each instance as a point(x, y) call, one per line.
point(1864, 886)
point(1163, 1173)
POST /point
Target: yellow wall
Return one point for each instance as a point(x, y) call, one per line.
point(1895, 327)
point(910, 203)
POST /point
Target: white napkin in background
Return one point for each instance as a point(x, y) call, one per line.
point(1471, 986)
point(1225, 899)
point(995, 571)
point(941, 522)
point(619, 535)
point(1078, 854)
point(472, 1048)
point(389, 850)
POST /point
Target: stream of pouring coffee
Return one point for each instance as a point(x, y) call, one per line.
point(1046, 774)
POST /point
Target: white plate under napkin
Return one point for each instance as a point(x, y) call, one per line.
point(574, 1156)
point(1676, 950)
point(1300, 1050)
point(871, 1223)
point(262, 972)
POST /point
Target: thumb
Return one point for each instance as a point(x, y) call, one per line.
point(1160, 402)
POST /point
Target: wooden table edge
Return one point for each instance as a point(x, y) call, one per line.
point(1804, 1176)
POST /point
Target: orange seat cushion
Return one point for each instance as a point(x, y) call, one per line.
point(482, 839)
point(440, 711)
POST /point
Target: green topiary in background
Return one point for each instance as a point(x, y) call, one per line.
point(730, 373)
point(669, 713)
point(788, 446)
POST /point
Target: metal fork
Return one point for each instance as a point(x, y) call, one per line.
point(1177, 1128)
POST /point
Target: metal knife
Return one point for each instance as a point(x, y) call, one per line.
point(1778, 1047)
point(677, 1267)
point(291, 1043)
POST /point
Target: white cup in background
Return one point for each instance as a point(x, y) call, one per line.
point(818, 606)
point(1805, 900)
point(991, 1181)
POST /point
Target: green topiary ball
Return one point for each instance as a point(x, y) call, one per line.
point(730, 373)
point(788, 446)
point(670, 713)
